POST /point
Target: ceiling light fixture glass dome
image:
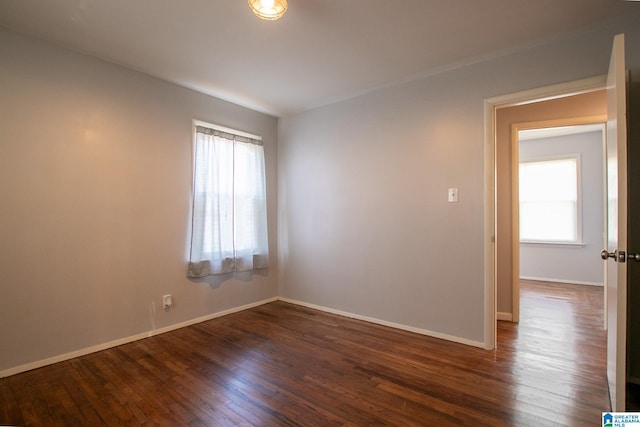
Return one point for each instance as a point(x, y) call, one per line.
point(268, 9)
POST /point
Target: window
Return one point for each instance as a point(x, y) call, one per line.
point(549, 202)
point(229, 217)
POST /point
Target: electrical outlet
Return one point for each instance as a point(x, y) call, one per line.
point(166, 302)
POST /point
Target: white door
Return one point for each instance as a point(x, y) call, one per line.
point(616, 286)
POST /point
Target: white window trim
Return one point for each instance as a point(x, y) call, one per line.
point(545, 243)
point(579, 237)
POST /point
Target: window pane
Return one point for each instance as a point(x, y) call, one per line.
point(548, 180)
point(549, 200)
point(548, 221)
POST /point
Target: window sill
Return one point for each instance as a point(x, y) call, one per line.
point(553, 244)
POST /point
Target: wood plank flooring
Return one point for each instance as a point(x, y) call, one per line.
point(281, 364)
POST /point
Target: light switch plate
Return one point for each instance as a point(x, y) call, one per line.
point(453, 195)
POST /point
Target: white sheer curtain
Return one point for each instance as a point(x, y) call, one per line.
point(229, 213)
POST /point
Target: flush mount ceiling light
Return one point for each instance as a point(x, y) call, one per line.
point(268, 9)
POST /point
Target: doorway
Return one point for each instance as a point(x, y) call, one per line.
point(568, 109)
point(498, 205)
point(559, 207)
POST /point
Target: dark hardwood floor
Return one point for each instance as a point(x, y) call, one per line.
point(281, 364)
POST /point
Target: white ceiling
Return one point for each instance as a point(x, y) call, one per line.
point(320, 52)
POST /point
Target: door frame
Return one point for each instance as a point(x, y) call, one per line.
point(491, 105)
point(515, 194)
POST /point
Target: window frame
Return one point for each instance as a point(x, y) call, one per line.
point(224, 261)
point(579, 242)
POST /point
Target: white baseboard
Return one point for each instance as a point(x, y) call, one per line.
point(571, 282)
point(93, 349)
point(505, 316)
point(126, 340)
point(385, 323)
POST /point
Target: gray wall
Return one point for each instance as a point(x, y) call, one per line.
point(365, 226)
point(562, 263)
point(95, 181)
